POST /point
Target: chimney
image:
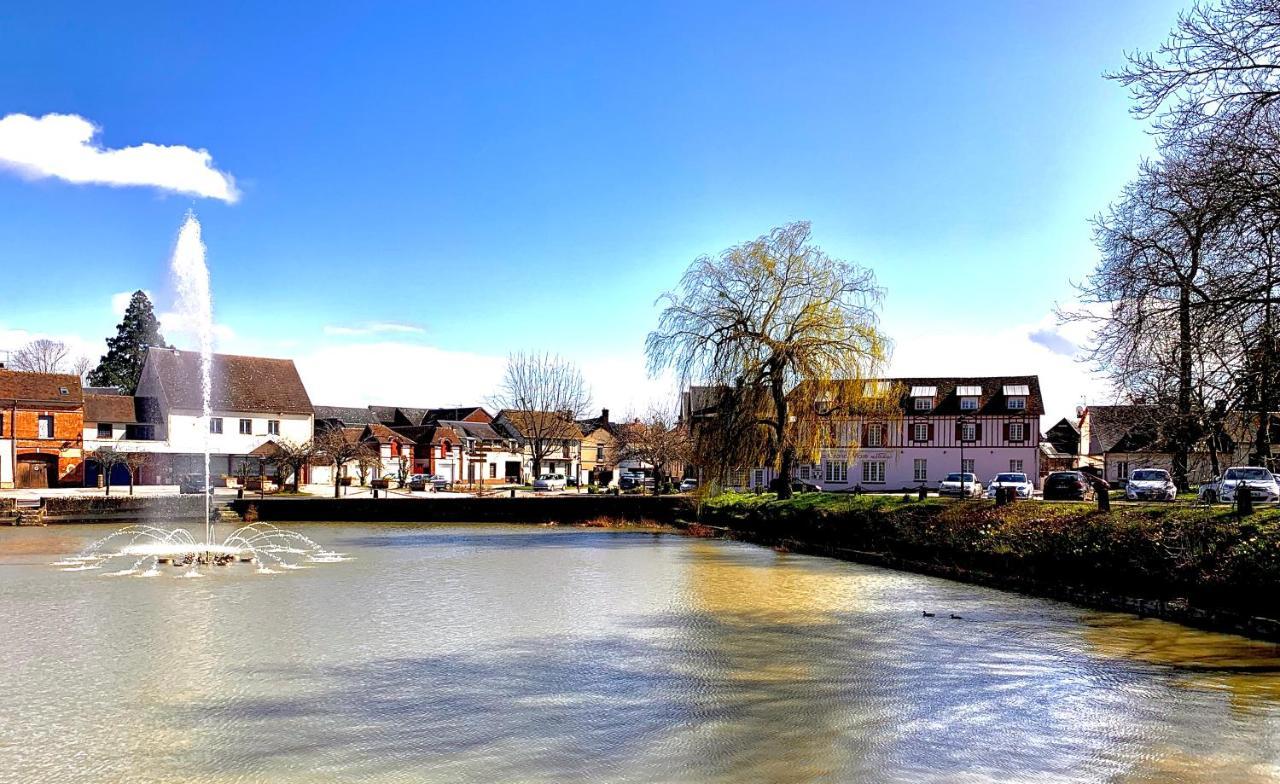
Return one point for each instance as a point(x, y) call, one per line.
point(604, 415)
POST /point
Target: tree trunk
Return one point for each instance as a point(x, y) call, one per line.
point(1182, 437)
point(131, 480)
point(337, 478)
point(785, 451)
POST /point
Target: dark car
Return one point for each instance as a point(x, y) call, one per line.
point(1067, 486)
point(193, 483)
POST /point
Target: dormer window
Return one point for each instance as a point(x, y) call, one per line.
point(1017, 403)
point(924, 397)
point(968, 404)
point(1016, 395)
point(924, 404)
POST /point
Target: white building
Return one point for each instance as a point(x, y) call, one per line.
point(930, 427)
point(254, 400)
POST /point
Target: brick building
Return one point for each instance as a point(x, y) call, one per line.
point(41, 429)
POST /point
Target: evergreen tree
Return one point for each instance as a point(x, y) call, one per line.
point(121, 366)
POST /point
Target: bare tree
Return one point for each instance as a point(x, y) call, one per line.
point(335, 447)
point(81, 367)
point(541, 396)
point(1217, 73)
point(135, 462)
point(108, 458)
point(785, 332)
point(658, 440)
point(40, 356)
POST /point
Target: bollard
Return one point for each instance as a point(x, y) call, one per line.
point(375, 492)
point(1244, 500)
point(1002, 497)
point(240, 492)
point(513, 492)
point(923, 492)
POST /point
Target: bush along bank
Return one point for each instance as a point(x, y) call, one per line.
point(1203, 566)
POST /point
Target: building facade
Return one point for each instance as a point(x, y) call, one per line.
point(929, 427)
point(41, 430)
point(253, 400)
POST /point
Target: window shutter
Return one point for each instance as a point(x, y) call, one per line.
point(931, 431)
point(862, 441)
point(959, 431)
point(977, 432)
point(1006, 432)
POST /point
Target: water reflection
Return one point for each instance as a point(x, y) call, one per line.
point(454, 653)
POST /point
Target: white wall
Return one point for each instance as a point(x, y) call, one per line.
point(6, 462)
point(186, 432)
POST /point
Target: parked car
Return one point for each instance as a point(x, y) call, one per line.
point(633, 479)
point(801, 486)
point(960, 485)
point(1018, 481)
point(193, 483)
point(688, 485)
point(1150, 484)
point(421, 482)
point(549, 482)
point(1261, 483)
point(1067, 486)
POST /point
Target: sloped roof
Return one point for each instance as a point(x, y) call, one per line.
point(477, 430)
point(102, 390)
point(249, 384)
point(1123, 428)
point(347, 415)
point(384, 414)
point(546, 423)
point(946, 401)
point(42, 387)
point(455, 414)
point(111, 408)
point(383, 434)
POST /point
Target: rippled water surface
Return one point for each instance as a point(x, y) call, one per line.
point(503, 653)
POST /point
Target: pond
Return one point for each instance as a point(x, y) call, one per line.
point(458, 653)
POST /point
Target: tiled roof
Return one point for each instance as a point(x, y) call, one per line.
point(116, 409)
point(42, 387)
point(248, 384)
point(946, 402)
point(383, 434)
point(547, 424)
point(102, 391)
point(477, 430)
point(456, 414)
point(347, 415)
point(1123, 428)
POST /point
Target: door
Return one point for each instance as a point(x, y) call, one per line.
point(37, 471)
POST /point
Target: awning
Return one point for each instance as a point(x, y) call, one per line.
point(924, 391)
point(969, 391)
point(1016, 390)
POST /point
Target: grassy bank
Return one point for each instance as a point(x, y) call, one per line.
point(1194, 563)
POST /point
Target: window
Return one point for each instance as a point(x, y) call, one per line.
point(1017, 403)
point(1122, 469)
point(968, 431)
point(1015, 466)
point(873, 472)
point(921, 471)
point(920, 432)
point(1016, 431)
point(966, 466)
point(104, 430)
point(875, 435)
point(139, 433)
point(246, 427)
point(599, 453)
point(924, 404)
point(837, 471)
point(968, 404)
point(44, 424)
point(493, 470)
point(566, 451)
point(273, 427)
point(758, 478)
point(215, 425)
point(805, 472)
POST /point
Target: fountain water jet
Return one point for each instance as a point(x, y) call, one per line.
point(136, 545)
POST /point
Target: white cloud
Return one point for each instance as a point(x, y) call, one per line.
point(12, 339)
point(63, 146)
point(375, 328)
point(173, 323)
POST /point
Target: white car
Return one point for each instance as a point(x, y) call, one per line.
point(1261, 483)
point(961, 486)
point(1018, 481)
point(1150, 484)
point(688, 485)
point(549, 482)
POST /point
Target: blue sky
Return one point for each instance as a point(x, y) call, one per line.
point(532, 177)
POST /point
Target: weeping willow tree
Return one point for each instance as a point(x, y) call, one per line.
point(782, 335)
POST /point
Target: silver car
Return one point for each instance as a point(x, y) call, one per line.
point(1150, 484)
point(1260, 482)
point(1018, 481)
point(550, 482)
point(960, 485)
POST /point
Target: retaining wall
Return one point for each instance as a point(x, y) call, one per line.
point(560, 509)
